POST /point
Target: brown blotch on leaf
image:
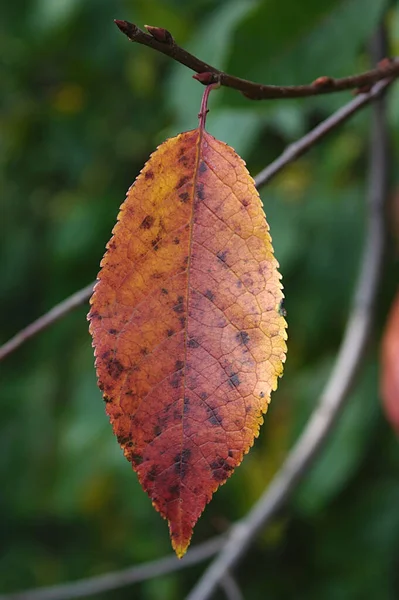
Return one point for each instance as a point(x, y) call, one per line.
point(137, 459)
point(144, 351)
point(123, 439)
point(113, 331)
point(222, 255)
point(176, 241)
point(182, 181)
point(155, 242)
point(176, 379)
point(115, 368)
point(149, 175)
point(164, 291)
point(147, 222)
point(170, 332)
point(242, 337)
point(192, 343)
point(184, 197)
point(209, 294)
point(234, 380)
point(200, 191)
point(152, 473)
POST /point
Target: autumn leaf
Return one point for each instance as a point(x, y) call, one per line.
point(187, 324)
point(390, 366)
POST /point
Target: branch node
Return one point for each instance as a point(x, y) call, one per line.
point(207, 77)
point(127, 28)
point(323, 82)
point(160, 34)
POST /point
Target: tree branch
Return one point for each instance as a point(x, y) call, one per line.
point(161, 40)
point(291, 153)
point(117, 579)
point(56, 313)
point(341, 379)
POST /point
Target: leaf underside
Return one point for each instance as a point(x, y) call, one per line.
point(186, 324)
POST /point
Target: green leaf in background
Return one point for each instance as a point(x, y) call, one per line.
point(291, 42)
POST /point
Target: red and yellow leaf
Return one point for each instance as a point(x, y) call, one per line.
point(390, 367)
point(186, 323)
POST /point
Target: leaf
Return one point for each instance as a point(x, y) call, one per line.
point(186, 324)
point(389, 366)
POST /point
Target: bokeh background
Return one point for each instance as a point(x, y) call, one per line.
point(81, 110)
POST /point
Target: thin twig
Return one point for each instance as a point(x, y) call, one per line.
point(56, 313)
point(117, 579)
point(296, 149)
point(161, 40)
point(341, 379)
point(230, 587)
point(292, 152)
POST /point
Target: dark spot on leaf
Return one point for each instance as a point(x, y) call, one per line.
point(262, 395)
point(209, 294)
point(144, 351)
point(147, 222)
point(170, 332)
point(113, 331)
point(149, 175)
point(164, 291)
point(231, 453)
point(281, 310)
point(234, 380)
point(107, 398)
point(152, 473)
point(182, 181)
point(184, 197)
point(202, 167)
point(155, 242)
point(174, 490)
point(115, 368)
point(200, 191)
point(186, 405)
point(242, 337)
point(175, 380)
point(246, 202)
point(123, 439)
point(203, 395)
point(213, 420)
point(176, 241)
point(179, 364)
point(182, 321)
point(192, 343)
point(222, 255)
point(179, 308)
point(186, 455)
point(137, 459)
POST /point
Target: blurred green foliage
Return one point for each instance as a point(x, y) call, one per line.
point(80, 111)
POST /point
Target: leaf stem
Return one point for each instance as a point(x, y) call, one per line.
point(204, 104)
